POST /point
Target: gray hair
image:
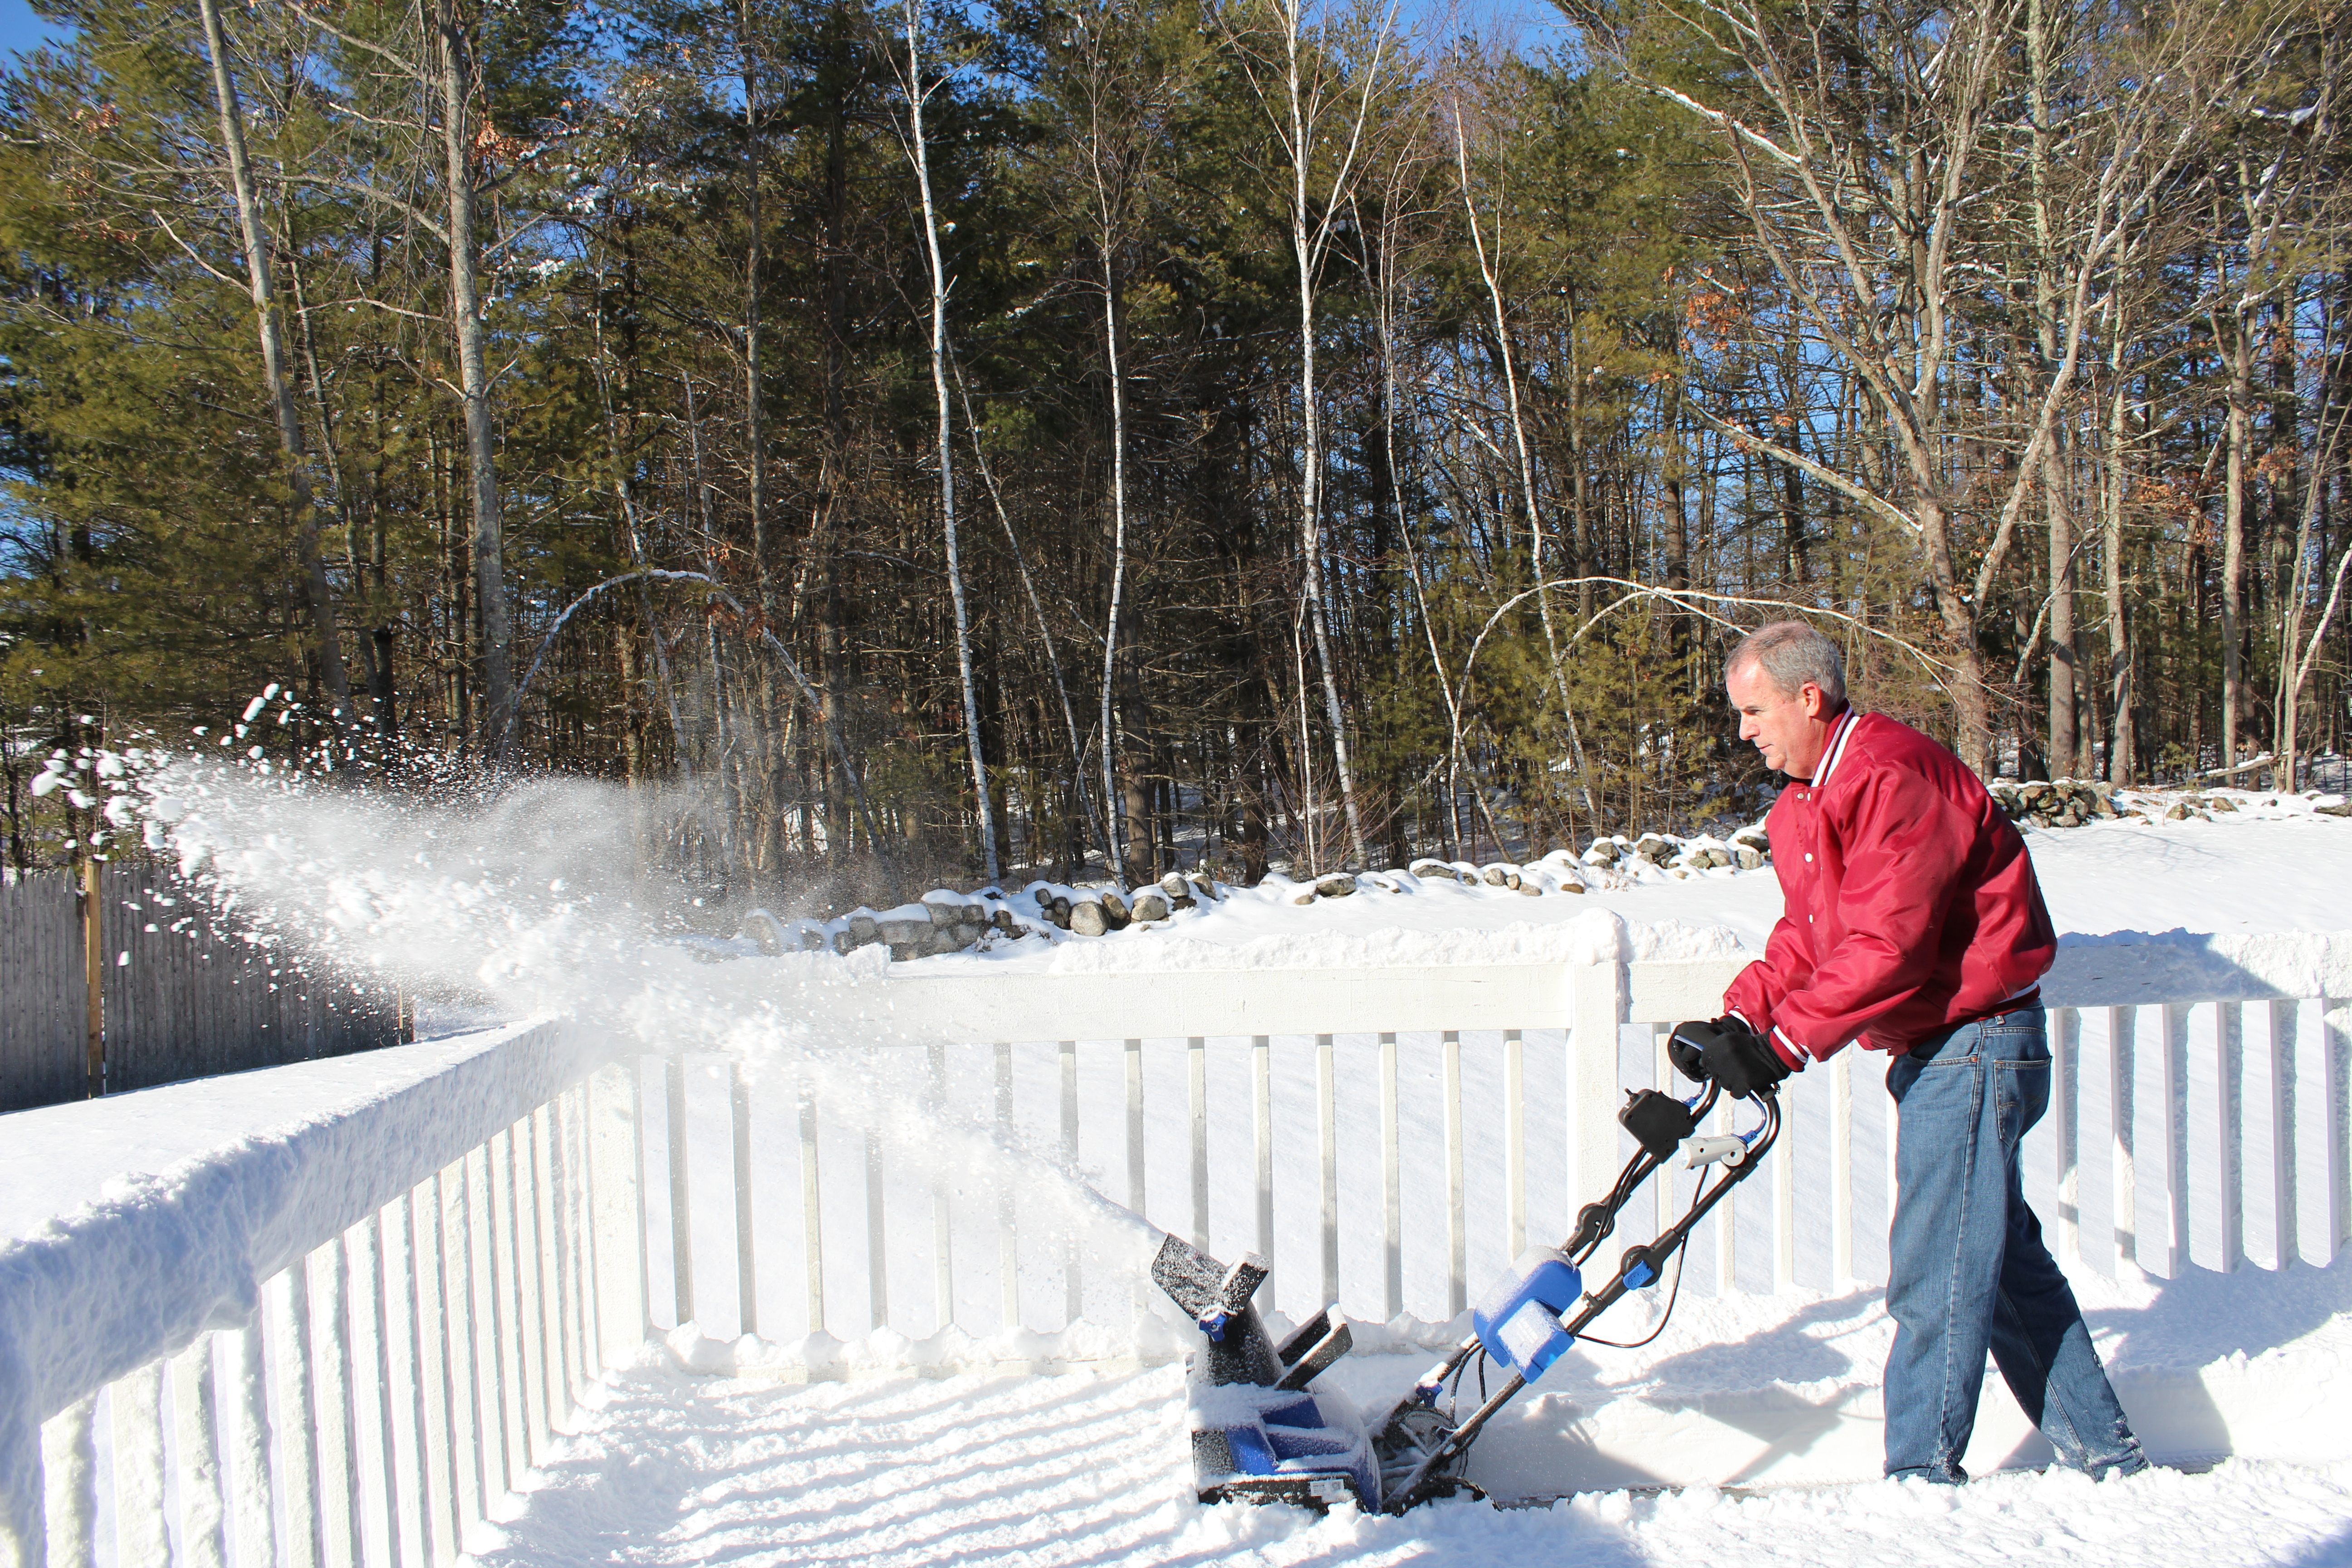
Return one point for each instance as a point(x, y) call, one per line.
point(1792, 653)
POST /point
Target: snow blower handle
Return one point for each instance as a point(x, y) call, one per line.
point(1420, 1461)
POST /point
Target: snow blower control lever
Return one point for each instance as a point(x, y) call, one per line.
point(1259, 1435)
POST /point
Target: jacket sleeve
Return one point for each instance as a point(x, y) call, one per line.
point(1757, 990)
point(1904, 845)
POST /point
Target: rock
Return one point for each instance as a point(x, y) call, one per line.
point(1176, 892)
point(966, 932)
point(2180, 813)
point(1149, 907)
point(1492, 876)
point(2219, 803)
point(1045, 898)
point(1748, 859)
point(1204, 890)
point(1529, 888)
point(1569, 885)
point(2341, 808)
point(815, 938)
point(1603, 852)
point(764, 929)
point(1304, 897)
point(897, 933)
point(943, 910)
point(1337, 885)
point(1654, 847)
point(1115, 913)
point(1002, 921)
point(1059, 913)
point(1087, 919)
point(863, 928)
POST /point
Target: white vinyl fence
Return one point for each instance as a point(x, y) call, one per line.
point(335, 1344)
point(396, 1325)
point(1394, 1169)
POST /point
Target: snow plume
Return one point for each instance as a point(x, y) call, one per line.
point(525, 895)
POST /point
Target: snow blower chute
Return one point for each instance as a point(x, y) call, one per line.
point(1260, 1432)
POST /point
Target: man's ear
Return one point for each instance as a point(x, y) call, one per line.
point(1812, 697)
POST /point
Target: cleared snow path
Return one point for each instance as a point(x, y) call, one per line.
point(1086, 1468)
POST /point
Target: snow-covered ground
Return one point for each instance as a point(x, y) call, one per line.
point(1086, 1468)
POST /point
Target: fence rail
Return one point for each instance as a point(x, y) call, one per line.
point(181, 997)
point(423, 1277)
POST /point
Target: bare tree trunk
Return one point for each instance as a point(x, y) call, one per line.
point(2064, 707)
point(279, 386)
point(1526, 465)
point(1044, 630)
point(1307, 238)
point(755, 434)
point(916, 93)
point(2233, 546)
point(2064, 712)
point(1117, 850)
point(473, 380)
point(2122, 762)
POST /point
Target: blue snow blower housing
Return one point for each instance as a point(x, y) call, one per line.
point(1257, 1435)
point(1518, 1319)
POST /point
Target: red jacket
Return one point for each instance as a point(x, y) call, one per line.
point(1910, 904)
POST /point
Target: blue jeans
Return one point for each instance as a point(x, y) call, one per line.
point(1966, 1269)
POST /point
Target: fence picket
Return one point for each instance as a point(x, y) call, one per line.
point(1326, 1147)
point(1457, 1216)
point(135, 1419)
point(69, 1485)
point(2065, 1125)
point(1392, 1188)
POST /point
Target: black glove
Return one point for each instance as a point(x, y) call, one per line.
point(1686, 1046)
point(1742, 1061)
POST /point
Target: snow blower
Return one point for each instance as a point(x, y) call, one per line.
point(1261, 1433)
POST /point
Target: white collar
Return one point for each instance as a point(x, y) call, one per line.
point(1836, 750)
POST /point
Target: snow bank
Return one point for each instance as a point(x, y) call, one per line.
point(131, 1225)
point(1595, 936)
point(2183, 966)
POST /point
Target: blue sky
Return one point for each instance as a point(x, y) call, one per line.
point(19, 29)
point(1534, 22)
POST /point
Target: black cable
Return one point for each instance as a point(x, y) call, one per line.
point(1673, 1294)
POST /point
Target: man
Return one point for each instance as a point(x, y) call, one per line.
point(1913, 922)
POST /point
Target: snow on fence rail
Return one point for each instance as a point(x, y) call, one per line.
point(378, 1314)
point(334, 1341)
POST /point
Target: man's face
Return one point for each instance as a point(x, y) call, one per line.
point(1791, 730)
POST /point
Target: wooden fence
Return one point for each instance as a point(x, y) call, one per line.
point(183, 996)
